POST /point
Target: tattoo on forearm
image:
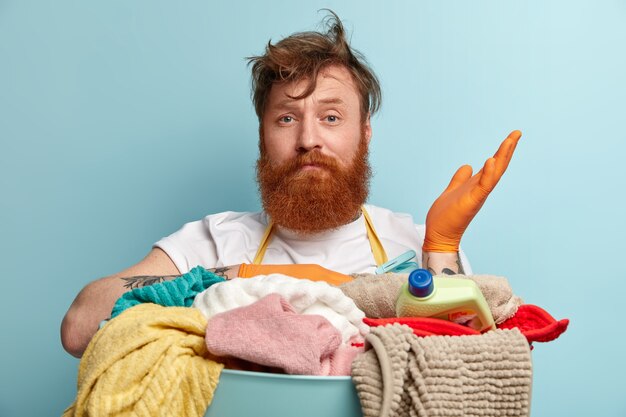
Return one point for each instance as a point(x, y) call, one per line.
point(222, 271)
point(459, 265)
point(445, 270)
point(459, 268)
point(144, 280)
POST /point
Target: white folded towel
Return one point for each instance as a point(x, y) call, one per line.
point(306, 297)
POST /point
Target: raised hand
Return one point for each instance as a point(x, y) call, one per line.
point(455, 208)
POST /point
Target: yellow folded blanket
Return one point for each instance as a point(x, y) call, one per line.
point(148, 361)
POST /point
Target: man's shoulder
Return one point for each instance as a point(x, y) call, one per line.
point(391, 220)
point(376, 211)
point(225, 220)
point(230, 215)
point(237, 219)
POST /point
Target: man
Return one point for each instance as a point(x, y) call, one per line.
point(314, 96)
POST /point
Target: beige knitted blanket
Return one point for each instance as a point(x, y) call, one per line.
point(406, 375)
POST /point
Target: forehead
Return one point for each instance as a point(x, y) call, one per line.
point(334, 84)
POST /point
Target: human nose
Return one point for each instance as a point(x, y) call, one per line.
point(308, 136)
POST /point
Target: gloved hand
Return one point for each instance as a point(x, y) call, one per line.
point(455, 208)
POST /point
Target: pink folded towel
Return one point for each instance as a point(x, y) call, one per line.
point(269, 332)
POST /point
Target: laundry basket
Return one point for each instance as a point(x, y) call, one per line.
point(245, 394)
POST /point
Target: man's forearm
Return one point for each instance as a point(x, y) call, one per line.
point(95, 302)
point(442, 263)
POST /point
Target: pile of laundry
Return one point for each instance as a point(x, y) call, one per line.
point(164, 348)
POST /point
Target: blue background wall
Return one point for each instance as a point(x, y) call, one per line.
point(122, 120)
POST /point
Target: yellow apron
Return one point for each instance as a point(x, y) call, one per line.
point(377, 247)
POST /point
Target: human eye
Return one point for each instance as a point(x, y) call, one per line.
point(331, 118)
point(285, 119)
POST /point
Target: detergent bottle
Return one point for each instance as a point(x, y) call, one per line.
point(454, 299)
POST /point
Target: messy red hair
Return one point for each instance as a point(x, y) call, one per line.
point(302, 55)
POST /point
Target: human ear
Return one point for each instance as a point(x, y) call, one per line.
point(367, 129)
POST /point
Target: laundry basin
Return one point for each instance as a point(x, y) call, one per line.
point(258, 394)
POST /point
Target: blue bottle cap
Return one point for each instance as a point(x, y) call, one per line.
point(421, 283)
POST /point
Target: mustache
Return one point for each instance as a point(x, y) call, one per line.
point(312, 158)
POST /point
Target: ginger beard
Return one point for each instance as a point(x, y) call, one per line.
point(316, 200)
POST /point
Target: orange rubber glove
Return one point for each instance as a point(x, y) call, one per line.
point(455, 208)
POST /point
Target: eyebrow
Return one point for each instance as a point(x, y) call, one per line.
point(290, 103)
point(333, 100)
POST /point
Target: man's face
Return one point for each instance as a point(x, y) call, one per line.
point(313, 171)
point(328, 120)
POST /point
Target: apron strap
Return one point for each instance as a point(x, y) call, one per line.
point(265, 241)
point(380, 256)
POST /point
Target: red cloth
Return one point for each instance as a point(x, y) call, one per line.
point(425, 326)
point(534, 323)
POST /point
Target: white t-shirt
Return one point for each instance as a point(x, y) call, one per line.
point(232, 238)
